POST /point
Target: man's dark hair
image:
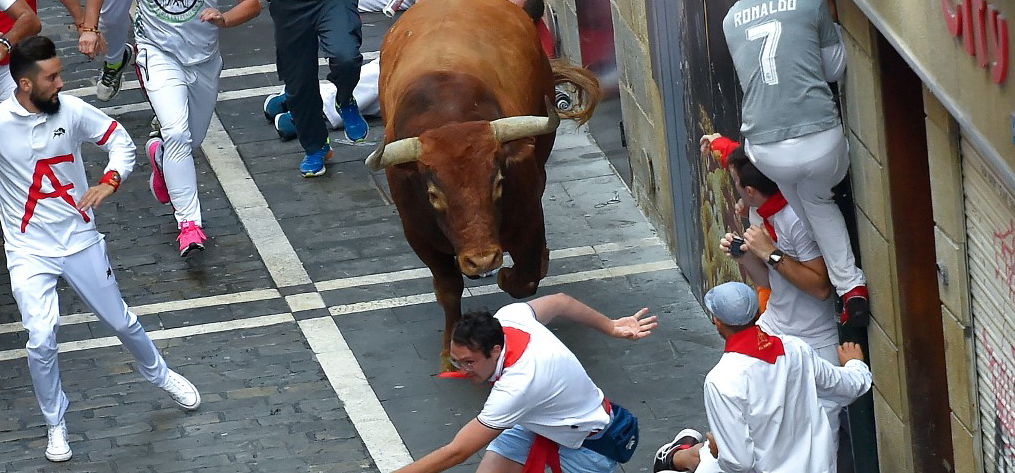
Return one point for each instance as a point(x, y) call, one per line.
point(749, 174)
point(29, 51)
point(478, 330)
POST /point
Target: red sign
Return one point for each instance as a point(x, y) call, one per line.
point(984, 31)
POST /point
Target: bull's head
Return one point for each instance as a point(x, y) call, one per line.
point(462, 167)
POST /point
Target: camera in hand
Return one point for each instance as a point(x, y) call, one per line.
point(735, 250)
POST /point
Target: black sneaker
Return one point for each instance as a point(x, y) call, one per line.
point(112, 78)
point(684, 440)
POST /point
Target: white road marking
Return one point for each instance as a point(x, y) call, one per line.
point(239, 324)
point(234, 72)
point(420, 273)
point(305, 301)
point(361, 404)
point(276, 251)
point(197, 303)
point(492, 288)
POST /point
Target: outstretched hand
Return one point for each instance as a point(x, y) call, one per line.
point(634, 327)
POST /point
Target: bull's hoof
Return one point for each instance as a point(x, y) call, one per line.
point(508, 281)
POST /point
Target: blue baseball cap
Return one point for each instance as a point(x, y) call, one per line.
point(733, 303)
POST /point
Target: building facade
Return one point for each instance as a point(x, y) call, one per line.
point(929, 111)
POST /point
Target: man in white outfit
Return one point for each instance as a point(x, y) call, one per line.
point(49, 230)
point(764, 398)
point(106, 25)
point(18, 21)
point(178, 65)
point(785, 53)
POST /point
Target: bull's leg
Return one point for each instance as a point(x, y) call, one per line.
point(532, 259)
point(448, 286)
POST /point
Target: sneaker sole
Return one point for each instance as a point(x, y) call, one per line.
point(59, 458)
point(157, 181)
point(183, 254)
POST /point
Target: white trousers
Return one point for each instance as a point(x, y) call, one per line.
point(88, 272)
point(7, 84)
point(114, 22)
point(183, 98)
point(806, 168)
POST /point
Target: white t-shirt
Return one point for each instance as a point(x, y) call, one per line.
point(546, 390)
point(42, 177)
point(175, 27)
point(5, 4)
point(769, 417)
point(790, 310)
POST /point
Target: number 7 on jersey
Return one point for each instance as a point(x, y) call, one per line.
point(770, 31)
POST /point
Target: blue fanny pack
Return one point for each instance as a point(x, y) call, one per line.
point(620, 438)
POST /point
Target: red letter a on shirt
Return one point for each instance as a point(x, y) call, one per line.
point(43, 168)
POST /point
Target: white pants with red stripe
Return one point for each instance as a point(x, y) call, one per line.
point(806, 168)
point(88, 272)
point(114, 21)
point(7, 84)
point(183, 98)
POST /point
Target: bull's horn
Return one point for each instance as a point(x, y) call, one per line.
point(514, 128)
point(405, 150)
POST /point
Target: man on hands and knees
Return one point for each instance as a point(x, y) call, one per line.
point(543, 410)
point(48, 220)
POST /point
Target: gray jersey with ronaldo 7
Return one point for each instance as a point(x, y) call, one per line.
point(776, 48)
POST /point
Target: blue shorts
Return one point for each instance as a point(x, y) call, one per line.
point(515, 443)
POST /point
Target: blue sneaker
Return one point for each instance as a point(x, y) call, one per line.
point(275, 105)
point(356, 127)
point(285, 126)
point(313, 163)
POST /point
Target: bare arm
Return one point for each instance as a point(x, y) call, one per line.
point(808, 276)
point(467, 442)
point(76, 12)
point(632, 327)
point(754, 266)
point(238, 15)
point(26, 23)
point(90, 41)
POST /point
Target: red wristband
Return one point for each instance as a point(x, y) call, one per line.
point(112, 178)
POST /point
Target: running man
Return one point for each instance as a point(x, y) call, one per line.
point(46, 208)
point(105, 26)
point(178, 65)
point(18, 21)
point(543, 410)
point(301, 27)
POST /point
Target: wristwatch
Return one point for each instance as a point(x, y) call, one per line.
point(775, 258)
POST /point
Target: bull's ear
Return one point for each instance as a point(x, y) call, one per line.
point(519, 151)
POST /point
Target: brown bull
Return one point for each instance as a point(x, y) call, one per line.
point(465, 96)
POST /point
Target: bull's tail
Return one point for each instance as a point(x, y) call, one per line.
point(584, 88)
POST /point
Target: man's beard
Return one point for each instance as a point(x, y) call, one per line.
point(49, 107)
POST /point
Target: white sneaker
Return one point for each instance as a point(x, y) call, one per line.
point(112, 78)
point(58, 450)
point(182, 391)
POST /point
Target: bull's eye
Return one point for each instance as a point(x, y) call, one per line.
point(436, 197)
point(498, 186)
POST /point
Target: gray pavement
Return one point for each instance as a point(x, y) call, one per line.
point(276, 400)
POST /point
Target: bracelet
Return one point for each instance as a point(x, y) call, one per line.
point(88, 29)
point(6, 43)
point(112, 178)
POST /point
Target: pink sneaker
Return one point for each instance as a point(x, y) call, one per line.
point(191, 238)
point(157, 182)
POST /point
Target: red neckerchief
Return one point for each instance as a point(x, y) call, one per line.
point(755, 343)
point(515, 343)
point(772, 206)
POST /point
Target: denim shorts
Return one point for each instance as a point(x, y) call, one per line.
point(515, 443)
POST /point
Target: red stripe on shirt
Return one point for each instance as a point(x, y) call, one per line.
point(109, 131)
